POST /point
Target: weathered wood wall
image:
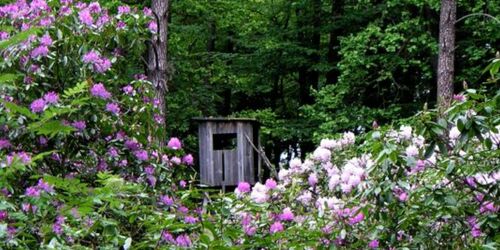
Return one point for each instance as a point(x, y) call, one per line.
point(227, 167)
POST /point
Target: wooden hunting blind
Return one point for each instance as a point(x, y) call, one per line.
point(226, 153)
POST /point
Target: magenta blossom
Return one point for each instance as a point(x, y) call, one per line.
point(152, 26)
point(183, 240)
point(287, 215)
point(85, 17)
point(174, 143)
point(276, 227)
point(190, 220)
point(243, 187)
point(374, 244)
point(51, 97)
point(129, 90)
point(124, 9)
point(188, 159)
point(3, 215)
point(182, 183)
point(40, 51)
point(45, 40)
point(32, 192)
point(113, 108)
point(166, 200)
point(4, 143)
point(141, 155)
point(357, 218)
point(79, 125)
point(271, 184)
point(38, 105)
point(98, 90)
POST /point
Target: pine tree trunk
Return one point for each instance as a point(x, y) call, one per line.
point(157, 61)
point(446, 58)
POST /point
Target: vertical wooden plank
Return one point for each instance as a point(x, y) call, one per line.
point(217, 170)
point(230, 161)
point(241, 153)
point(249, 155)
point(203, 151)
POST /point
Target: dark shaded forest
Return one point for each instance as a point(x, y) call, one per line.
point(308, 69)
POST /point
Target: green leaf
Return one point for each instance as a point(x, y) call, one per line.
point(79, 88)
point(19, 109)
point(18, 38)
point(50, 128)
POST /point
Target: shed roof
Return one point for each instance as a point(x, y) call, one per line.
point(225, 119)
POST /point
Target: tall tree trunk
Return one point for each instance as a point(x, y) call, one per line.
point(157, 61)
point(446, 54)
point(334, 43)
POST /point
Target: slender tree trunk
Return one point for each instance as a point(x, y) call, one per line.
point(446, 54)
point(157, 61)
point(334, 43)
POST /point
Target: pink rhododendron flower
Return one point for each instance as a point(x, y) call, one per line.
point(129, 90)
point(141, 155)
point(183, 240)
point(124, 9)
point(249, 230)
point(85, 17)
point(98, 90)
point(322, 154)
point(166, 200)
point(459, 98)
point(287, 215)
point(276, 227)
point(147, 11)
point(259, 193)
point(411, 151)
point(176, 160)
point(174, 143)
point(3, 215)
point(183, 183)
point(113, 108)
point(79, 125)
point(188, 159)
point(4, 143)
point(38, 105)
point(190, 220)
point(4, 35)
point(51, 97)
point(242, 188)
point(271, 184)
point(312, 180)
point(40, 51)
point(46, 40)
point(374, 244)
point(32, 192)
point(357, 218)
point(152, 26)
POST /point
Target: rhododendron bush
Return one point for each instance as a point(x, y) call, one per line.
point(432, 185)
point(78, 163)
point(81, 168)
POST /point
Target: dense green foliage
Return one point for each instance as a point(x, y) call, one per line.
point(320, 67)
point(79, 168)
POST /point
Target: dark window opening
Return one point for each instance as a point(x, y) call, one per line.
point(224, 141)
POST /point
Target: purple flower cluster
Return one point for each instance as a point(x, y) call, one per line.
point(174, 143)
point(100, 63)
point(113, 108)
point(98, 90)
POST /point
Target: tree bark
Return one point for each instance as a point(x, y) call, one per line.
point(334, 43)
point(446, 58)
point(157, 62)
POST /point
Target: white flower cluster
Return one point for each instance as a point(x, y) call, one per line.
point(351, 175)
